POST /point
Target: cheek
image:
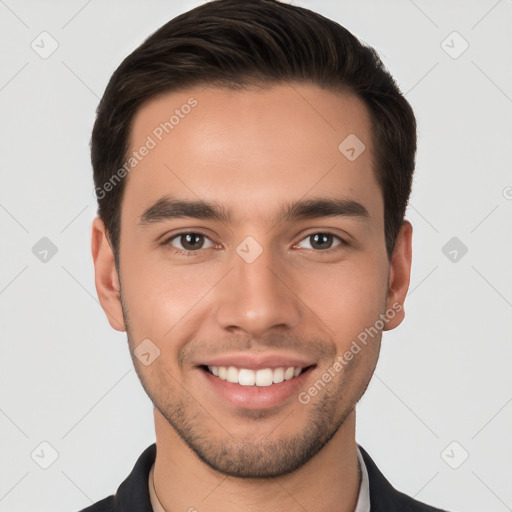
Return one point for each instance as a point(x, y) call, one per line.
point(160, 296)
point(347, 298)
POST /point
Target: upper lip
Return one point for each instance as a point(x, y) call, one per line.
point(257, 361)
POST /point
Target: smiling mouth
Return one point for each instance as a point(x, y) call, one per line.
point(261, 378)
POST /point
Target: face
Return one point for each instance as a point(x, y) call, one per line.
point(252, 257)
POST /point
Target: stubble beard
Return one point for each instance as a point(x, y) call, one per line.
point(253, 456)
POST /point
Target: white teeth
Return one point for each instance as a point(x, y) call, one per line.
point(278, 375)
point(262, 377)
point(288, 374)
point(232, 374)
point(246, 377)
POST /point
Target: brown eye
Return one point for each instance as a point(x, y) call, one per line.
point(322, 241)
point(192, 241)
point(189, 242)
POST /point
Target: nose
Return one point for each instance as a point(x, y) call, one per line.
point(257, 297)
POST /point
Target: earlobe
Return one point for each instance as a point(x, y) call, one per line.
point(399, 275)
point(106, 278)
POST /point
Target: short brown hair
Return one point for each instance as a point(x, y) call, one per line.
point(233, 43)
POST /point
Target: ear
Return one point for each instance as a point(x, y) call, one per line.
point(106, 278)
point(399, 275)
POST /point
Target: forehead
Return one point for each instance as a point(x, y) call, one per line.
point(250, 149)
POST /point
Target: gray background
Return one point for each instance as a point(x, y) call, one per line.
point(443, 386)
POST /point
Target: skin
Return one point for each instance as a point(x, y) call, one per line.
point(251, 151)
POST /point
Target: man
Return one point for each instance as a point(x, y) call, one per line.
point(253, 162)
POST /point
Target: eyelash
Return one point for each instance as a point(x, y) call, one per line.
point(166, 242)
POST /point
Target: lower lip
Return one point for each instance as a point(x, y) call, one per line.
point(256, 397)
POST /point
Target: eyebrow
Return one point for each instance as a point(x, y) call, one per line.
point(168, 208)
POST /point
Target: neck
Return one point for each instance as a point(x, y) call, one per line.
point(329, 481)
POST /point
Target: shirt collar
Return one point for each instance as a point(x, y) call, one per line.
point(363, 500)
